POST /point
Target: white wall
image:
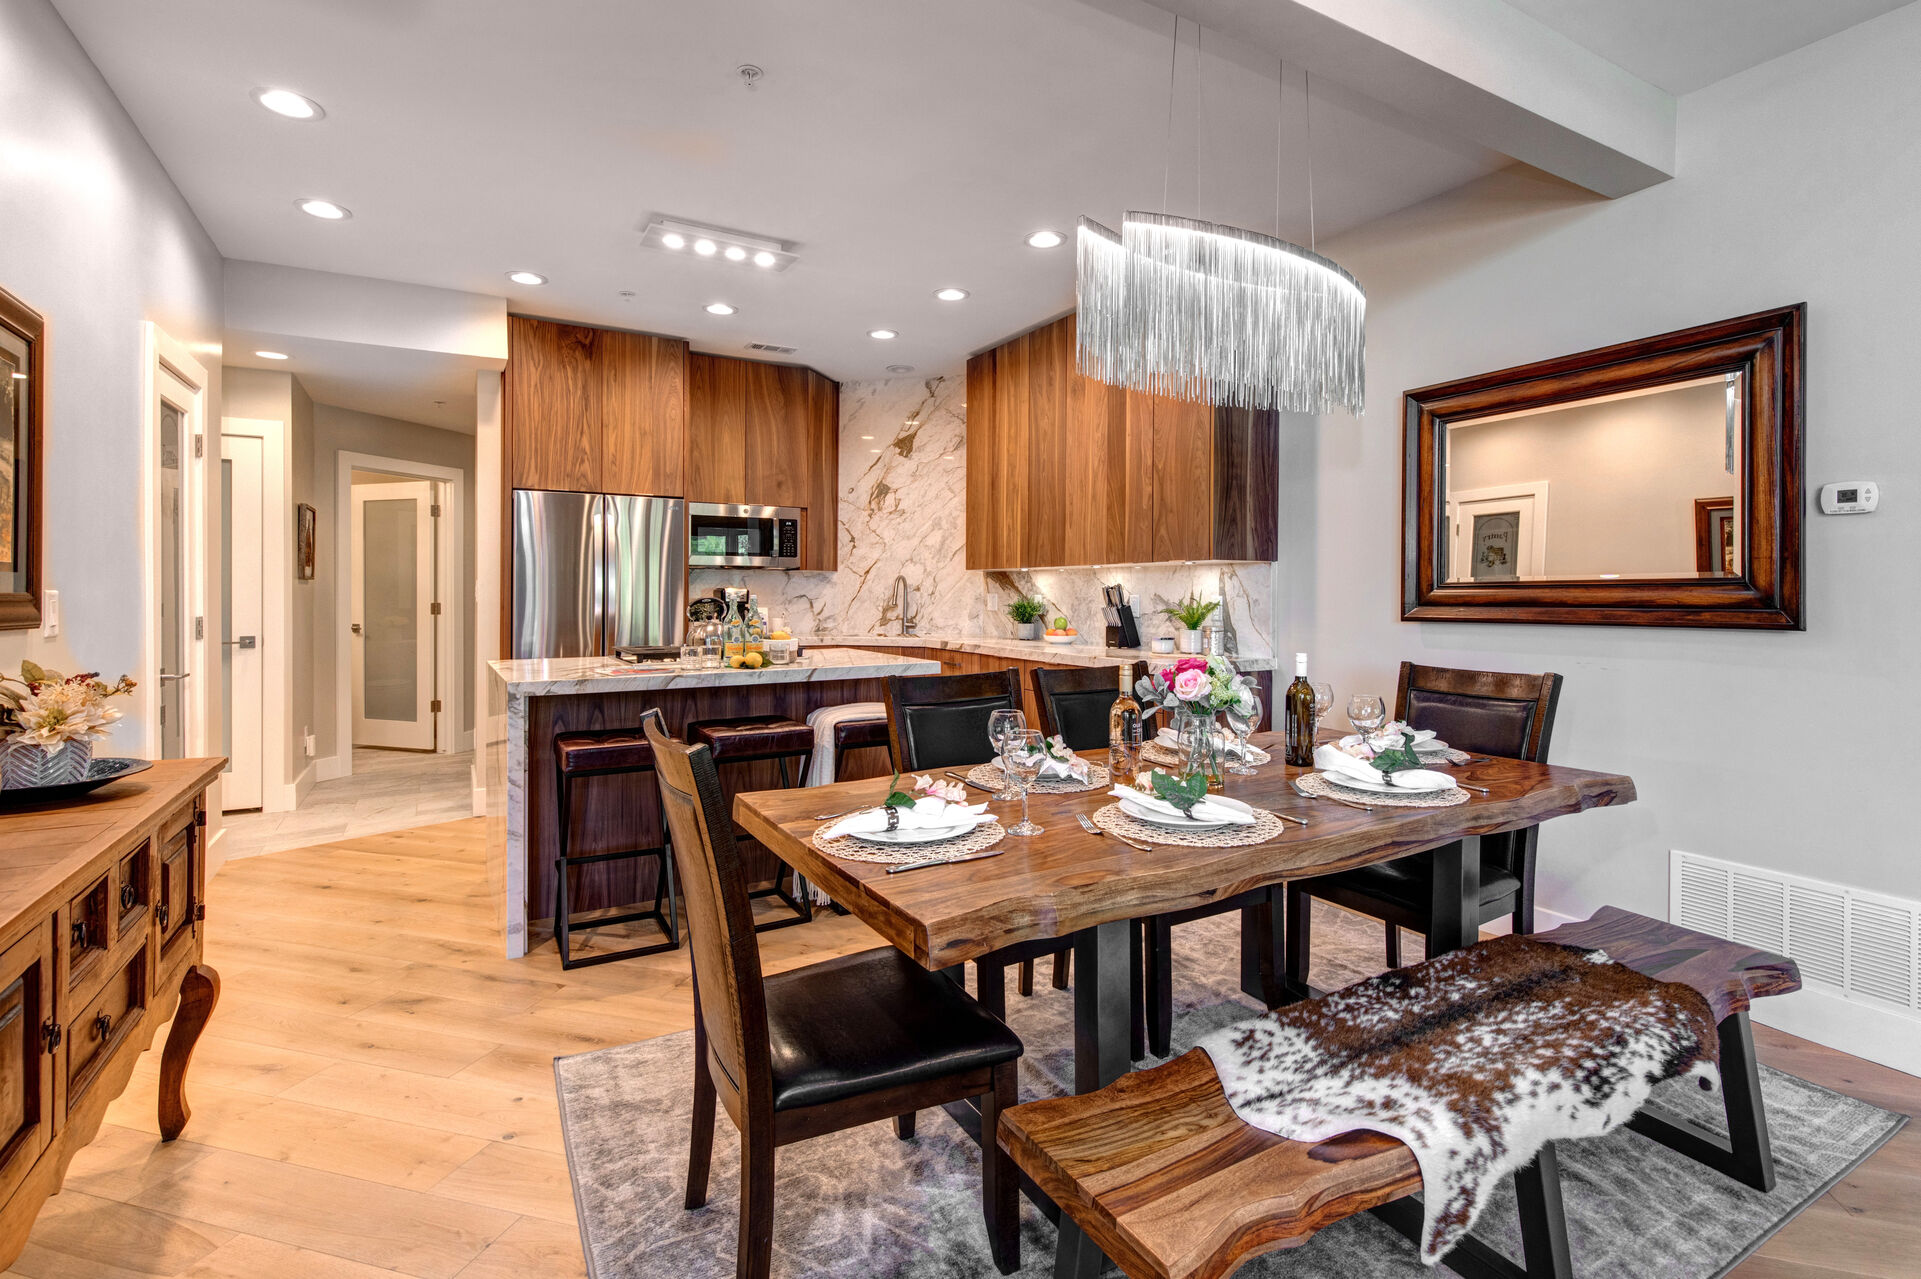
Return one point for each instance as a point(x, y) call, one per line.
point(1798, 181)
point(338, 430)
point(97, 240)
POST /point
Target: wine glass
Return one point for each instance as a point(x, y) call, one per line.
point(1323, 703)
point(1366, 714)
point(1243, 724)
point(1024, 760)
point(1001, 728)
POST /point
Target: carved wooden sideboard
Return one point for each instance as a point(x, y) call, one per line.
point(101, 935)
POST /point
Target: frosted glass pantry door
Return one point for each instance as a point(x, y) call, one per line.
point(392, 627)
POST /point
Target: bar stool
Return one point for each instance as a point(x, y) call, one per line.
point(606, 753)
point(858, 734)
point(750, 739)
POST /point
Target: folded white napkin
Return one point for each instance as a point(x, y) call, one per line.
point(1215, 808)
point(926, 814)
point(1390, 734)
point(1332, 759)
point(1226, 745)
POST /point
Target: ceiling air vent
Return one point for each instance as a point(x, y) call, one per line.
point(771, 349)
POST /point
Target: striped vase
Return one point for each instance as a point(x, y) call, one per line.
point(24, 764)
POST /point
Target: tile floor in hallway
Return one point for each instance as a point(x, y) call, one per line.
point(388, 790)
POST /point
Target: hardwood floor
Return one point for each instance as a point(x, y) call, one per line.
point(375, 1092)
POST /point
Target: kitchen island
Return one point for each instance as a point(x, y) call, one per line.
point(533, 700)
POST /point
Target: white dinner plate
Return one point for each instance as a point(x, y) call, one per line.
point(922, 835)
point(1152, 818)
point(1385, 787)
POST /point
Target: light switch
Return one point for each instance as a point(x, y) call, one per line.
point(50, 614)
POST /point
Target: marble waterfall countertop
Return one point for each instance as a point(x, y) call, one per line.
point(558, 676)
point(1078, 654)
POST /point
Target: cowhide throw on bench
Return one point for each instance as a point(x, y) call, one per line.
point(1474, 1060)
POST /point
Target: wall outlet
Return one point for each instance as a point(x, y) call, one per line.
point(308, 742)
point(993, 602)
point(49, 614)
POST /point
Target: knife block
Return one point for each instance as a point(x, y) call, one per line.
point(1123, 634)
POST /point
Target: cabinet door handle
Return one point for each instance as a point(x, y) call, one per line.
point(103, 1025)
point(79, 933)
point(163, 914)
point(50, 1031)
point(129, 897)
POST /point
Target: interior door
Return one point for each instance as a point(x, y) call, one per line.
point(1498, 535)
point(392, 627)
point(172, 529)
point(242, 615)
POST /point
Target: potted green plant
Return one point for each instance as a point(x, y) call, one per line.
point(1027, 612)
point(49, 723)
point(1190, 615)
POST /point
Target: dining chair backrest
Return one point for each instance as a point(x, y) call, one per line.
point(1074, 702)
point(727, 981)
point(938, 721)
point(1487, 712)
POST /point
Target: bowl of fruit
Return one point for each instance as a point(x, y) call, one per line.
point(1061, 633)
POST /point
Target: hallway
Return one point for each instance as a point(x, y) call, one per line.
point(389, 790)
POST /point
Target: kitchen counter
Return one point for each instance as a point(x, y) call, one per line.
point(1079, 654)
point(531, 701)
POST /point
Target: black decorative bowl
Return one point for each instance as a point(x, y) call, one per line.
point(99, 773)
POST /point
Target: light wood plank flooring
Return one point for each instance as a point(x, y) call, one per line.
point(375, 1095)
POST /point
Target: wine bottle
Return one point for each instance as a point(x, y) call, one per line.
point(1299, 720)
point(1124, 731)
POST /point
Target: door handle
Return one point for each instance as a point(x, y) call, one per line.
point(355, 628)
point(167, 679)
point(245, 641)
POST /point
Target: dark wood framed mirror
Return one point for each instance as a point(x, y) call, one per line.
point(23, 390)
point(1655, 483)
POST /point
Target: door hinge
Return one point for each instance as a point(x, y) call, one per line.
point(434, 608)
point(200, 628)
point(200, 446)
point(50, 1031)
point(434, 510)
point(434, 706)
point(199, 910)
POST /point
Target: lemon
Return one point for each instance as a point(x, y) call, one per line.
point(755, 661)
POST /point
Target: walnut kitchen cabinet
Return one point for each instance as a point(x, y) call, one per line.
point(768, 435)
point(1062, 469)
point(594, 410)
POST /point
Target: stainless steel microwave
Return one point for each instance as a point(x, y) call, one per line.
point(723, 535)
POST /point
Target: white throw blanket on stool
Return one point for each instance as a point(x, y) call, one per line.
point(820, 769)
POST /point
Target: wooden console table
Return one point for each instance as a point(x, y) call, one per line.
point(100, 944)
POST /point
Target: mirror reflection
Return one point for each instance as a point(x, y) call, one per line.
point(1644, 483)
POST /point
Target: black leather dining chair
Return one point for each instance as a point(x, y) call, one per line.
point(1483, 712)
point(815, 1050)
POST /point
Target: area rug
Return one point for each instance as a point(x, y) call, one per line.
point(863, 1203)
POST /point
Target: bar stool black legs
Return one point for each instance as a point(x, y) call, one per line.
point(580, 755)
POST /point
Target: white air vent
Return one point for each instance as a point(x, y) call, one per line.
point(1863, 946)
point(771, 349)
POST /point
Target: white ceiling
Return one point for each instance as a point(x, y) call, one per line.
point(1684, 45)
point(898, 147)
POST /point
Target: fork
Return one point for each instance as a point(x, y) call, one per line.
point(1295, 782)
point(1092, 829)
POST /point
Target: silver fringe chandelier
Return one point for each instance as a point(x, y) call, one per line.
point(1218, 314)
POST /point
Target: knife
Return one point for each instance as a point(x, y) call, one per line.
point(961, 777)
point(945, 861)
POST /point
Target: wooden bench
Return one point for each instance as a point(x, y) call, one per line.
point(1161, 1174)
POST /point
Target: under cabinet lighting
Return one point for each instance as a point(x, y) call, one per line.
point(526, 277)
point(285, 102)
point(1045, 240)
point(326, 210)
point(271, 355)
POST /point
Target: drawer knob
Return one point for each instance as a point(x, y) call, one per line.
point(129, 897)
point(103, 1025)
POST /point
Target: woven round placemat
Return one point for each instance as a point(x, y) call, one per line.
point(1167, 757)
point(1266, 827)
point(848, 848)
point(1321, 784)
point(989, 775)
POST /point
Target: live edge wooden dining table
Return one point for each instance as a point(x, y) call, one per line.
point(1068, 883)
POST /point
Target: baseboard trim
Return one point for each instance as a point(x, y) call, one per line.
point(1880, 1035)
point(1544, 921)
point(480, 801)
point(329, 768)
point(286, 797)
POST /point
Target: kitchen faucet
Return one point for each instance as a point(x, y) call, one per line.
point(908, 621)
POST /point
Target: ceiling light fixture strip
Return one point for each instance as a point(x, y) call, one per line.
point(1185, 308)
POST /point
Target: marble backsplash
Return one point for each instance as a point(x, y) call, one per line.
point(903, 496)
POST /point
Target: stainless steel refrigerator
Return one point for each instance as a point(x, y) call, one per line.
point(597, 571)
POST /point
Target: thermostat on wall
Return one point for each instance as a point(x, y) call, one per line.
point(1850, 497)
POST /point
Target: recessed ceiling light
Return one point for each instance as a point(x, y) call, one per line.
point(719, 308)
point(900, 368)
point(864, 437)
point(705, 248)
point(288, 103)
point(764, 258)
point(882, 335)
point(950, 295)
point(326, 209)
point(674, 240)
point(735, 253)
point(526, 277)
point(1045, 240)
point(270, 355)
point(873, 450)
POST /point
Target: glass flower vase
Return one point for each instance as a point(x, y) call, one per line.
point(1200, 746)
